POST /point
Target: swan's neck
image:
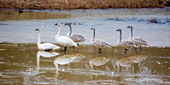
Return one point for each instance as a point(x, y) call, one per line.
point(120, 36)
point(131, 34)
point(93, 36)
point(58, 34)
point(39, 41)
point(70, 31)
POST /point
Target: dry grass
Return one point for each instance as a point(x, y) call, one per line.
point(79, 4)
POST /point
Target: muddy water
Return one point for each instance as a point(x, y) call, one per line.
point(22, 63)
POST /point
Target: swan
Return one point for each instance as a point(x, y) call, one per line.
point(75, 37)
point(125, 43)
point(98, 42)
point(64, 40)
point(45, 46)
point(136, 40)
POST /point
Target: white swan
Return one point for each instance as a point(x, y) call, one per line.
point(63, 40)
point(136, 40)
point(75, 37)
point(98, 42)
point(125, 43)
point(45, 46)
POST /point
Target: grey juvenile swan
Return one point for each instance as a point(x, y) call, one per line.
point(98, 42)
point(75, 37)
point(125, 43)
point(136, 40)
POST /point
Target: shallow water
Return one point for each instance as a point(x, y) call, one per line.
point(22, 63)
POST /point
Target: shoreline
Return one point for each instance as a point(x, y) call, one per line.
point(78, 4)
point(82, 45)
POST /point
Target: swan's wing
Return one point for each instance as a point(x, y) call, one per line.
point(63, 40)
point(138, 41)
point(48, 46)
point(127, 44)
point(101, 43)
point(77, 37)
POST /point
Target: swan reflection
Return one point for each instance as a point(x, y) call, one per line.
point(138, 58)
point(128, 61)
point(98, 61)
point(124, 62)
point(45, 54)
point(63, 60)
point(79, 57)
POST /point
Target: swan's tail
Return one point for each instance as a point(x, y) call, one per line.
point(146, 43)
point(56, 47)
point(75, 44)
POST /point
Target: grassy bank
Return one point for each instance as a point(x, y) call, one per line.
point(81, 4)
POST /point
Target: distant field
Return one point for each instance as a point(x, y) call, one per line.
point(81, 4)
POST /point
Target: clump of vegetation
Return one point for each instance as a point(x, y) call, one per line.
point(80, 4)
point(153, 21)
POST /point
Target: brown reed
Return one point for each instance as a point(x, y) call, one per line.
point(80, 4)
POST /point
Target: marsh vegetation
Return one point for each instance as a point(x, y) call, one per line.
point(81, 4)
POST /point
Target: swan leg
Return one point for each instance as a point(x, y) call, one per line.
point(125, 50)
point(100, 50)
point(140, 47)
point(135, 48)
point(65, 47)
point(77, 45)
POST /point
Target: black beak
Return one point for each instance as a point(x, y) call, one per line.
point(56, 24)
point(36, 29)
point(117, 30)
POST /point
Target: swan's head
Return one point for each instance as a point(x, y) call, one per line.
point(58, 24)
point(130, 27)
point(92, 28)
point(67, 24)
point(38, 29)
point(119, 30)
